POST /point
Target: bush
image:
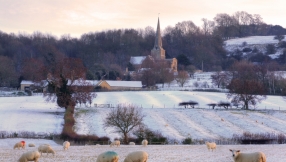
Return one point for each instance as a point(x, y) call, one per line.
point(259, 138)
point(187, 141)
point(246, 50)
point(152, 136)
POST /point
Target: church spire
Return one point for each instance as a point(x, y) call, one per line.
point(158, 53)
point(158, 39)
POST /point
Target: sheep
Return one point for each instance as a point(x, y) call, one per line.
point(30, 156)
point(66, 145)
point(248, 157)
point(116, 142)
point(108, 156)
point(137, 156)
point(19, 145)
point(31, 145)
point(46, 149)
point(211, 146)
point(144, 142)
point(131, 143)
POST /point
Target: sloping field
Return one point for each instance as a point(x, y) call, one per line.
point(162, 114)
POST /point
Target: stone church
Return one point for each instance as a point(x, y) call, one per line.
point(157, 53)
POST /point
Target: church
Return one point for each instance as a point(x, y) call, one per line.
point(157, 54)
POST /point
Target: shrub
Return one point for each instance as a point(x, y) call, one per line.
point(246, 50)
point(187, 141)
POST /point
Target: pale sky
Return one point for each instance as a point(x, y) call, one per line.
point(76, 17)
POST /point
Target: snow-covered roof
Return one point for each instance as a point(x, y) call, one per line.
point(117, 83)
point(27, 82)
point(136, 60)
point(84, 82)
point(253, 40)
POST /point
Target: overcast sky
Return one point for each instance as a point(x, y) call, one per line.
point(76, 17)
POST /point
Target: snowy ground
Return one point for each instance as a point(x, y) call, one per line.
point(161, 110)
point(253, 40)
point(157, 153)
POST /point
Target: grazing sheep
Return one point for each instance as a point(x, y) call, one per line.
point(137, 156)
point(144, 142)
point(66, 145)
point(46, 149)
point(116, 142)
point(211, 146)
point(30, 156)
point(108, 156)
point(131, 143)
point(19, 145)
point(248, 157)
point(31, 145)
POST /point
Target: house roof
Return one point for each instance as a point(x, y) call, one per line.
point(137, 60)
point(83, 82)
point(27, 82)
point(117, 83)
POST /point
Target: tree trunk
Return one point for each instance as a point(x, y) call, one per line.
point(125, 138)
point(246, 105)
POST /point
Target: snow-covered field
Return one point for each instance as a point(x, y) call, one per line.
point(253, 40)
point(162, 113)
point(33, 113)
point(157, 153)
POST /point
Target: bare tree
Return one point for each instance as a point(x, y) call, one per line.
point(207, 26)
point(8, 75)
point(245, 85)
point(124, 118)
point(29, 72)
point(182, 78)
point(220, 79)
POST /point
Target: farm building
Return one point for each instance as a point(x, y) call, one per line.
point(120, 85)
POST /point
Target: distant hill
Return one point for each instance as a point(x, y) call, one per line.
point(249, 46)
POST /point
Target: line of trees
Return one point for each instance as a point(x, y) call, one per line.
point(108, 52)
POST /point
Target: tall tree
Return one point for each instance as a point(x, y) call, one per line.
point(245, 85)
point(8, 75)
point(67, 85)
point(182, 78)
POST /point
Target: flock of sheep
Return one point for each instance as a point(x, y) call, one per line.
point(136, 156)
point(108, 156)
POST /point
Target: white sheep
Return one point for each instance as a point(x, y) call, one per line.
point(137, 156)
point(248, 157)
point(30, 156)
point(66, 145)
point(31, 145)
point(116, 142)
point(46, 149)
point(19, 145)
point(144, 142)
point(131, 143)
point(108, 156)
point(211, 146)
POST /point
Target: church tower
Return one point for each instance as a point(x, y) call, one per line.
point(158, 52)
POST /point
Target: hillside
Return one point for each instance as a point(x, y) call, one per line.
point(161, 110)
point(253, 42)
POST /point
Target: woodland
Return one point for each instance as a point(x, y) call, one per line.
point(107, 53)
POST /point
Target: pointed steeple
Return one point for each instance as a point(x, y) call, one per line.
point(158, 39)
point(158, 52)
